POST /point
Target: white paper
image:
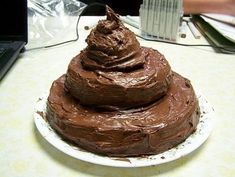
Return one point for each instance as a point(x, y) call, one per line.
point(226, 30)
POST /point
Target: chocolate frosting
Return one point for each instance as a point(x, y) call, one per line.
point(120, 99)
point(141, 131)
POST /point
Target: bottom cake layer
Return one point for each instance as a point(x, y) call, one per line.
point(141, 131)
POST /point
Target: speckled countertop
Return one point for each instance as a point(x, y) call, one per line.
point(24, 152)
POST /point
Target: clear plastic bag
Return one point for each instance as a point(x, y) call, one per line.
point(48, 20)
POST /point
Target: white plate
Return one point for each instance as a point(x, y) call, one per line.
point(190, 144)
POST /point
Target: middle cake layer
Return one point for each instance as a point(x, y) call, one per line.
point(120, 89)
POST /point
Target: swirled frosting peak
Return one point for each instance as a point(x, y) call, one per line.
point(112, 46)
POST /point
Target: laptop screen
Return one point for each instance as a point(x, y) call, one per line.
point(13, 20)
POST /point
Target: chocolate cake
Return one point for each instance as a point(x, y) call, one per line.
point(120, 99)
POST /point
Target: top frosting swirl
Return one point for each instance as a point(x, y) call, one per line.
point(112, 46)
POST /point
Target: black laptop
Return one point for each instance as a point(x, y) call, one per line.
point(13, 32)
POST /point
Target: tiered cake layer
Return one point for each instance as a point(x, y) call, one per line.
point(120, 89)
point(133, 132)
